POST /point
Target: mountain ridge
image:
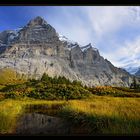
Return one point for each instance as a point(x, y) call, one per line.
point(38, 48)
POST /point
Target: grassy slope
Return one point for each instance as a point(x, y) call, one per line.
point(111, 115)
point(9, 76)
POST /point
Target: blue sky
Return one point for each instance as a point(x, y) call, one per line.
point(114, 30)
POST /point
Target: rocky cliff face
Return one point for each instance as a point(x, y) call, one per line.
point(38, 48)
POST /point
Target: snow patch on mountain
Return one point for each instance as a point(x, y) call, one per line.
point(65, 39)
point(84, 48)
point(71, 44)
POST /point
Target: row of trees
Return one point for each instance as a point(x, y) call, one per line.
point(62, 88)
point(59, 80)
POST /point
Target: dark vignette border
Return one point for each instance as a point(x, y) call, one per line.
point(73, 3)
point(69, 2)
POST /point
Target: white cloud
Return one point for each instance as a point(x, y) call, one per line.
point(128, 55)
point(107, 20)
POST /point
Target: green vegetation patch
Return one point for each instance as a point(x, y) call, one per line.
point(57, 88)
point(114, 91)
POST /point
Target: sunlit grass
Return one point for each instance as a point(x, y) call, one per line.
point(10, 110)
point(106, 115)
point(10, 76)
point(102, 115)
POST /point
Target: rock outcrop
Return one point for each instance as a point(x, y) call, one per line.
point(38, 48)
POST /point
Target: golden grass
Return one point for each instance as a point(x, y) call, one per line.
point(10, 110)
point(10, 76)
point(116, 115)
point(106, 115)
point(109, 106)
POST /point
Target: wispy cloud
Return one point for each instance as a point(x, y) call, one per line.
point(128, 54)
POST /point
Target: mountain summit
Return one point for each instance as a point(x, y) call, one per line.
point(37, 48)
point(37, 21)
